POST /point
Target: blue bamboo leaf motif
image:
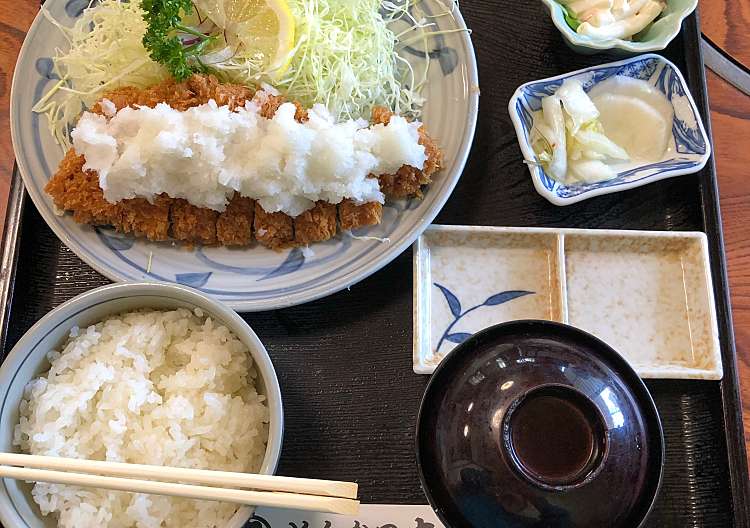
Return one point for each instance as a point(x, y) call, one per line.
point(453, 303)
point(455, 307)
point(196, 280)
point(458, 337)
point(115, 242)
point(292, 263)
point(504, 297)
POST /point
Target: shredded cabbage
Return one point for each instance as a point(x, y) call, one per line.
point(105, 52)
point(348, 55)
point(346, 59)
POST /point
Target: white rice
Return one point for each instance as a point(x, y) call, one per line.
point(170, 388)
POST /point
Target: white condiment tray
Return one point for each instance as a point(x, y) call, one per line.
point(646, 293)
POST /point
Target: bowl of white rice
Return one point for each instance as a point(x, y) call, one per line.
point(142, 373)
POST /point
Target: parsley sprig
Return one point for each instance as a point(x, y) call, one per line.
point(162, 38)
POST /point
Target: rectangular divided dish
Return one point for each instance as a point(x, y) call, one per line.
point(647, 294)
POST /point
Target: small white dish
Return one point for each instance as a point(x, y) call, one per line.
point(656, 37)
point(468, 279)
point(691, 146)
point(648, 294)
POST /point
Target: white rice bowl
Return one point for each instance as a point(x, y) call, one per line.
point(172, 388)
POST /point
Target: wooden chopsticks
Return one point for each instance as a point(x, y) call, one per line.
point(240, 488)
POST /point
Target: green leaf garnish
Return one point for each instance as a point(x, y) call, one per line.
point(162, 40)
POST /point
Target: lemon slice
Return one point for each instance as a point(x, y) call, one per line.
point(260, 29)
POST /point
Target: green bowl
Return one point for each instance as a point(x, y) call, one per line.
point(28, 359)
point(656, 37)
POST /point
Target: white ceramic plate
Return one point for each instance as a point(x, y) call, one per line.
point(251, 279)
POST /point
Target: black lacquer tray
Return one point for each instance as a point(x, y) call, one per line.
point(345, 362)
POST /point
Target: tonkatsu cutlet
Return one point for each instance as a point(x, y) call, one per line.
point(273, 230)
point(73, 189)
point(315, 225)
point(352, 216)
point(408, 181)
point(234, 227)
point(191, 224)
point(76, 190)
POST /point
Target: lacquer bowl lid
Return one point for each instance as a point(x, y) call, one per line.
point(534, 423)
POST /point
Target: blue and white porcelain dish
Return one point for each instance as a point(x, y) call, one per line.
point(656, 37)
point(692, 147)
point(648, 294)
point(252, 279)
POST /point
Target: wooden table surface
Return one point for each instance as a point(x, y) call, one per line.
point(725, 22)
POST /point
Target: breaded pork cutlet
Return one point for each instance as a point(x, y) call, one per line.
point(78, 191)
point(352, 216)
point(197, 90)
point(273, 230)
point(315, 225)
point(234, 227)
point(143, 219)
point(191, 224)
point(408, 181)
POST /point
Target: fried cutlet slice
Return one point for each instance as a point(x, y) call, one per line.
point(73, 189)
point(273, 230)
point(234, 227)
point(408, 181)
point(197, 90)
point(352, 216)
point(143, 219)
point(191, 224)
point(315, 225)
point(269, 103)
point(76, 190)
point(206, 87)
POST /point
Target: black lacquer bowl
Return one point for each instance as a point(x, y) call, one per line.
point(538, 424)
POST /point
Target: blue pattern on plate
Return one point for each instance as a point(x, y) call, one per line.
point(46, 68)
point(113, 240)
point(691, 142)
point(446, 56)
point(454, 304)
point(293, 261)
point(74, 8)
point(341, 242)
point(196, 280)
